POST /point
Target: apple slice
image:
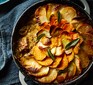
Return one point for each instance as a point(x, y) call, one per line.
point(42, 72)
point(48, 78)
point(61, 77)
point(46, 62)
point(30, 64)
point(78, 64)
point(64, 63)
point(71, 70)
point(56, 62)
point(38, 53)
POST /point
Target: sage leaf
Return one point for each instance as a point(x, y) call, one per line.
point(72, 43)
point(50, 54)
point(59, 16)
point(40, 36)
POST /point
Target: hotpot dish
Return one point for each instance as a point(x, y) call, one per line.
point(52, 42)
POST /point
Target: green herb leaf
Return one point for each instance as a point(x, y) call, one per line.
point(59, 16)
point(72, 43)
point(62, 71)
point(40, 36)
point(50, 54)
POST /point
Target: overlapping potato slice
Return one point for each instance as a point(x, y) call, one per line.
point(88, 43)
point(69, 51)
point(38, 53)
point(78, 64)
point(56, 62)
point(70, 57)
point(61, 77)
point(54, 42)
point(68, 13)
point(51, 9)
point(84, 58)
point(64, 63)
point(30, 64)
point(84, 28)
point(40, 14)
point(42, 72)
point(59, 51)
point(48, 78)
point(46, 62)
point(71, 70)
point(65, 39)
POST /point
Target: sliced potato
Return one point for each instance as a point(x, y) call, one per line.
point(78, 64)
point(84, 58)
point(56, 62)
point(48, 10)
point(65, 39)
point(71, 70)
point(88, 43)
point(63, 64)
point(38, 54)
point(70, 57)
point(46, 62)
point(69, 51)
point(40, 14)
point(59, 51)
point(40, 45)
point(54, 42)
point(45, 40)
point(48, 78)
point(68, 13)
point(53, 50)
point(22, 43)
point(42, 72)
point(84, 28)
point(61, 77)
point(30, 64)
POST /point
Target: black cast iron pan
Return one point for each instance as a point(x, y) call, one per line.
point(24, 17)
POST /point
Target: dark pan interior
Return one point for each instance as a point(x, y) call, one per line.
point(26, 16)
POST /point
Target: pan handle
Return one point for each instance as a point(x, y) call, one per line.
point(86, 6)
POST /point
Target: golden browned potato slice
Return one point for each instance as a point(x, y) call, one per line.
point(59, 51)
point(84, 58)
point(69, 51)
point(48, 10)
point(30, 64)
point(88, 43)
point(78, 64)
point(68, 13)
point(61, 77)
point(22, 43)
point(40, 14)
point(38, 53)
point(84, 28)
point(51, 9)
point(71, 70)
point(46, 62)
point(70, 57)
point(42, 72)
point(54, 42)
point(64, 63)
point(48, 78)
point(56, 62)
point(65, 39)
